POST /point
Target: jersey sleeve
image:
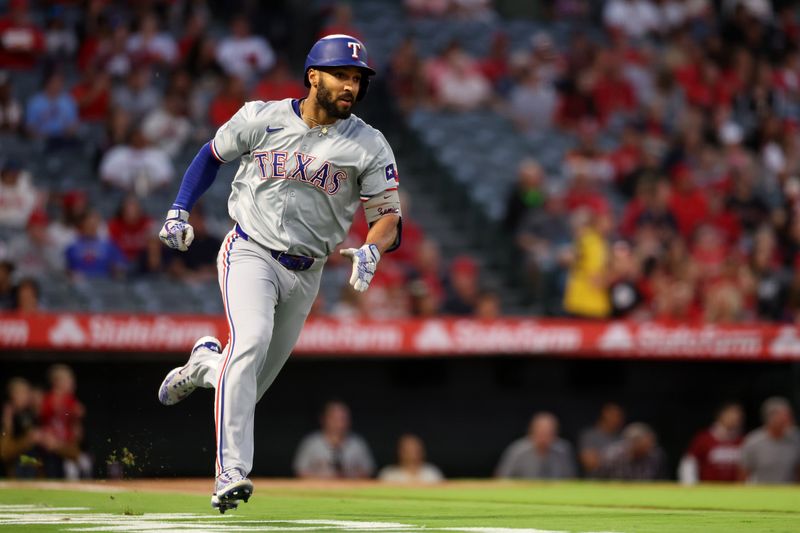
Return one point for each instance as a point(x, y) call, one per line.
point(381, 173)
point(235, 137)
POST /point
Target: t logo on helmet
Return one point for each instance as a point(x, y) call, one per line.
point(356, 47)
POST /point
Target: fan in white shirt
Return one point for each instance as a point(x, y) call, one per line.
point(411, 466)
point(244, 55)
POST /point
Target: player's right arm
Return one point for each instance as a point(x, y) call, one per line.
point(233, 139)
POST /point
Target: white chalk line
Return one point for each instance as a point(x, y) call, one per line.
point(78, 519)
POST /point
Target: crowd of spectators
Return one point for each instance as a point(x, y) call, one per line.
point(677, 199)
point(42, 429)
point(142, 87)
point(610, 449)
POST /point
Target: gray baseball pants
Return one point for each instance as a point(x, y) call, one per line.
point(266, 306)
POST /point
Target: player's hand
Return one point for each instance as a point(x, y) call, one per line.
point(365, 261)
point(177, 233)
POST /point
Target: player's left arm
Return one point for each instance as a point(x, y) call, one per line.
point(385, 233)
point(381, 202)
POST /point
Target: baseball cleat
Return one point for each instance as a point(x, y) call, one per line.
point(178, 383)
point(230, 488)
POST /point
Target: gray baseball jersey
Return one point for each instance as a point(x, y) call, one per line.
point(297, 189)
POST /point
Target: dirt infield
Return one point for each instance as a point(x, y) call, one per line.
point(204, 485)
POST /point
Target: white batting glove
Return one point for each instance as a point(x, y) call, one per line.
point(177, 233)
point(365, 262)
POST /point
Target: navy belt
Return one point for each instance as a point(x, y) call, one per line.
point(289, 261)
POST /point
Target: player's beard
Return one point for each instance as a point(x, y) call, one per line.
point(330, 104)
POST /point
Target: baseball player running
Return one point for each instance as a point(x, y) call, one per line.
point(305, 167)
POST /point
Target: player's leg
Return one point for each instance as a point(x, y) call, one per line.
point(250, 290)
point(290, 316)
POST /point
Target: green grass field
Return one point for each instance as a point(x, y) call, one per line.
point(457, 506)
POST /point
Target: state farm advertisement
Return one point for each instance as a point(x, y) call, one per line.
point(325, 337)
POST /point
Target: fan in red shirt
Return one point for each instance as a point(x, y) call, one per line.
point(21, 41)
point(227, 102)
point(61, 419)
point(713, 454)
point(131, 228)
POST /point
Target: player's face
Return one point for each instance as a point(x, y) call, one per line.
point(337, 88)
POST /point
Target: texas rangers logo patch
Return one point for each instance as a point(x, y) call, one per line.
point(391, 173)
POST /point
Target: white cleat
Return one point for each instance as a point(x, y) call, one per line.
point(178, 384)
point(230, 488)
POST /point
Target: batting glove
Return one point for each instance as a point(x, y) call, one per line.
point(365, 261)
point(177, 233)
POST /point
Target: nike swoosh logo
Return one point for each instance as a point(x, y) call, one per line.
point(273, 130)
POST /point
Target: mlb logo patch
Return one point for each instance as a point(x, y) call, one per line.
point(391, 173)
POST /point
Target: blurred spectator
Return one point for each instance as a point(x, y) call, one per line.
point(389, 300)
point(279, 83)
point(138, 96)
point(52, 113)
point(495, 66)
point(463, 287)
point(714, 453)
point(405, 76)
point(35, 253)
point(637, 457)
point(488, 306)
point(527, 195)
point(21, 40)
point(533, 102)
point(10, 108)
point(26, 296)
point(334, 452)
point(6, 285)
point(771, 453)
point(227, 102)
point(64, 231)
point(167, 126)
point(595, 441)
point(92, 256)
point(545, 238)
point(154, 259)
point(411, 466)
point(18, 197)
point(586, 293)
point(631, 18)
point(199, 262)
point(138, 166)
point(539, 455)
point(426, 273)
point(340, 22)
point(61, 41)
point(613, 94)
point(149, 45)
point(456, 80)
point(92, 95)
point(62, 427)
point(624, 288)
point(131, 228)
point(20, 433)
point(108, 51)
point(242, 54)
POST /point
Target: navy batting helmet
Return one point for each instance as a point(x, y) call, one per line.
point(340, 50)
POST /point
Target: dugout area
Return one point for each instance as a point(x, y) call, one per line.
point(467, 410)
